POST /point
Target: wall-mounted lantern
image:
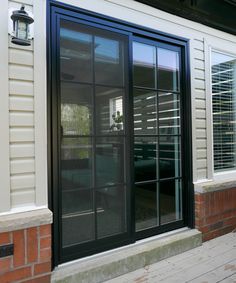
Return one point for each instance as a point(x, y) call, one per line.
point(21, 21)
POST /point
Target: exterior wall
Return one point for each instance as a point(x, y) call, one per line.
point(30, 233)
point(23, 151)
point(32, 255)
point(215, 211)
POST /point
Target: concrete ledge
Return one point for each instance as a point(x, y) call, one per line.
point(214, 186)
point(106, 266)
point(23, 220)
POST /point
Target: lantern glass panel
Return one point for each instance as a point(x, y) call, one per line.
point(22, 30)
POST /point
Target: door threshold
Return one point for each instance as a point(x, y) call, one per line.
point(113, 263)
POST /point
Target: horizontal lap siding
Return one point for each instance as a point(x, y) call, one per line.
point(21, 117)
point(199, 125)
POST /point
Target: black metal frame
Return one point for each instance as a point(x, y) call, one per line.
point(55, 10)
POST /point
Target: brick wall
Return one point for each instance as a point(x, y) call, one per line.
point(31, 261)
point(215, 212)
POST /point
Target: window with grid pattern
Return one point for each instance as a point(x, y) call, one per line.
point(224, 111)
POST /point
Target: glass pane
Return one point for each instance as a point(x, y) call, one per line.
point(145, 112)
point(78, 217)
point(169, 156)
point(169, 114)
point(109, 61)
point(168, 69)
point(224, 109)
point(144, 65)
point(76, 109)
point(170, 201)
point(145, 159)
point(111, 211)
point(75, 52)
point(109, 161)
point(76, 163)
point(146, 212)
point(109, 110)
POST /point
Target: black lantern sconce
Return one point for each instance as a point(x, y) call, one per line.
point(21, 21)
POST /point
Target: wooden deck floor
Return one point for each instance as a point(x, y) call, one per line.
point(214, 261)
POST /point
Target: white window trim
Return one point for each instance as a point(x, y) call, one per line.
point(5, 201)
point(227, 174)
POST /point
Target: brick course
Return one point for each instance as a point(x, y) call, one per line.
point(215, 212)
point(31, 261)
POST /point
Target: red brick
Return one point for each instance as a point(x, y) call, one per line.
point(42, 268)
point(17, 274)
point(198, 198)
point(5, 264)
point(45, 242)
point(45, 230)
point(5, 238)
point(19, 248)
point(204, 229)
point(32, 245)
point(45, 255)
point(230, 221)
point(41, 279)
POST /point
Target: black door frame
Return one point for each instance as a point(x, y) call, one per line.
point(55, 10)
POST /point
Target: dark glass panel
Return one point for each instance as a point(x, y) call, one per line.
point(168, 69)
point(111, 211)
point(109, 110)
point(169, 156)
point(109, 61)
point(146, 213)
point(169, 114)
point(145, 159)
point(75, 52)
point(109, 161)
point(78, 217)
point(144, 65)
point(76, 109)
point(76, 163)
point(170, 201)
point(145, 112)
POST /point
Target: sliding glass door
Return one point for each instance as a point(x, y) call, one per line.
point(119, 134)
point(157, 134)
point(93, 171)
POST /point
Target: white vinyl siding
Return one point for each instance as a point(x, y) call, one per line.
point(21, 119)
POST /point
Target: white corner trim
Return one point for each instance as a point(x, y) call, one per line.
point(209, 118)
point(40, 97)
point(4, 111)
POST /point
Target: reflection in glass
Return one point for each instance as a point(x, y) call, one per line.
point(169, 114)
point(109, 61)
point(109, 161)
point(224, 109)
point(77, 216)
point(144, 65)
point(111, 216)
point(76, 109)
point(76, 163)
point(109, 110)
point(75, 53)
point(170, 201)
point(145, 112)
point(168, 69)
point(146, 207)
point(169, 156)
point(145, 159)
